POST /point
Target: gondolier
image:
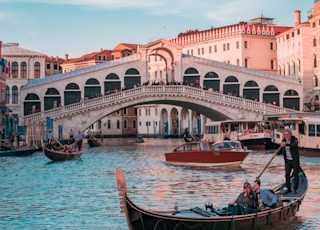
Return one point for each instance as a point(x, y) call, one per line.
point(291, 156)
point(80, 137)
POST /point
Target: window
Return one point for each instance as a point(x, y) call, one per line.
point(271, 45)
point(109, 124)
point(37, 70)
point(48, 66)
point(14, 95)
point(245, 44)
point(14, 70)
point(237, 45)
point(198, 51)
point(23, 70)
point(228, 46)
point(118, 124)
point(7, 95)
point(246, 62)
point(134, 124)
point(215, 49)
point(191, 52)
point(272, 64)
point(202, 51)
point(125, 111)
point(125, 124)
point(55, 66)
point(210, 49)
point(314, 42)
point(312, 130)
point(238, 62)
point(224, 47)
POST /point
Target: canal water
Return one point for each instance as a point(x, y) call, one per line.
point(38, 194)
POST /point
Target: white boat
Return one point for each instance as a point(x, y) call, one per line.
point(251, 133)
point(304, 126)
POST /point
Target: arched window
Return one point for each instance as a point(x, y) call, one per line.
point(37, 70)
point(14, 70)
point(23, 73)
point(15, 95)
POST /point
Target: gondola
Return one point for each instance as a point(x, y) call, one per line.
point(60, 154)
point(93, 142)
point(18, 152)
point(201, 218)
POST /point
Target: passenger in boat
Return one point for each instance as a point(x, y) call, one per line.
point(291, 156)
point(226, 137)
point(263, 197)
point(244, 204)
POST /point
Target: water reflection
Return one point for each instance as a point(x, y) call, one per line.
point(39, 194)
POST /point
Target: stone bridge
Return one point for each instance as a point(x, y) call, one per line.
point(213, 105)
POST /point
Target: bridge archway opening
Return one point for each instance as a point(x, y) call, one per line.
point(271, 95)
point(92, 88)
point(52, 99)
point(72, 94)
point(211, 81)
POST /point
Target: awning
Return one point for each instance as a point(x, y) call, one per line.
point(4, 109)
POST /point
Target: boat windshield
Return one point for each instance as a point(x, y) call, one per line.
point(227, 145)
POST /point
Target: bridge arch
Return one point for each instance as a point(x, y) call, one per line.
point(132, 78)
point(72, 93)
point(52, 99)
point(251, 90)
point(92, 88)
point(211, 81)
point(31, 104)
point(271, 95)
point(231, 86)
point(112, 83)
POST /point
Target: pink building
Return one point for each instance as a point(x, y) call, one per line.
point(251, 45)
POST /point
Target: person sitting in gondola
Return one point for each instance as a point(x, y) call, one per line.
point(264, 197)
point(245, 203)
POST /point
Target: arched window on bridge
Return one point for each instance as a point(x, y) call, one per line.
point(72, 94)
point(271, 95)
point(31, 104)
point(92, 89)
point(231, 86)
point(251, 91)
point(211, 81)
point(191, 77)
point(291, 100)
point(52, 99)
point(112, 83)
point(132, 78)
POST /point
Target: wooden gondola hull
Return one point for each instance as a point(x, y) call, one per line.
point(18, 152)
point(198, 218)
point(94, 143)
point(61, 156)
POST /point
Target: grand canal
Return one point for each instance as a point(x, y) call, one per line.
point(38, 194)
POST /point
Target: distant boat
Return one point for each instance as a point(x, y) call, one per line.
point(202, 218)
point(253, 134)
point(59, 154)
point(18, 152)
point(93, 142)
point(304, 126)
point(204, 154)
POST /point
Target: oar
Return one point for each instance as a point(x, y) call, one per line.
point(60, 143)
point(269, 162)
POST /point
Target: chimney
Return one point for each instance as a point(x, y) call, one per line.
point(66, 56)
point(297, 17)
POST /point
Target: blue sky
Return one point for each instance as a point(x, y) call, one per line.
point(77, 27)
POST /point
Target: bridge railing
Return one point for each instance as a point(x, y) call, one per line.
point(115, 98)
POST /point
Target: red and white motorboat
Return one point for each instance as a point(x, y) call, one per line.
point(199, 154)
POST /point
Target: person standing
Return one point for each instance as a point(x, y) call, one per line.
point(80, 137)
point(50, 138)
point(71, 136)
point(290, 151)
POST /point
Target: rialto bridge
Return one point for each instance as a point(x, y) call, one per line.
point(216, 90)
